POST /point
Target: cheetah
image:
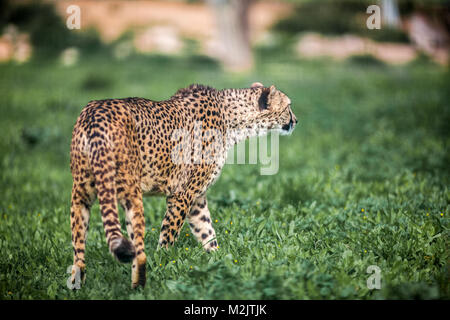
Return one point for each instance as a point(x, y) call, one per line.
point(124, 149)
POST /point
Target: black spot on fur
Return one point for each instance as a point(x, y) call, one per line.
point(263, 99)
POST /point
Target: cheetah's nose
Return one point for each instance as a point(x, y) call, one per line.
point(288, 127)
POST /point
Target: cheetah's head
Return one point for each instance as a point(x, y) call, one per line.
point(273, 109)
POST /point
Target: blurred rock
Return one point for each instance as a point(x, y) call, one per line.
point(163, 39)
point(70, 56)
point(429, 36)
point(14, 45)
point(393, 53)
point(315, 45)
point(6, 49)
point(23, 49)
point(123, 49)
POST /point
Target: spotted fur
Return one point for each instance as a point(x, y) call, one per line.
point(123, 149)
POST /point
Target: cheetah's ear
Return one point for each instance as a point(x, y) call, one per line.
point(263, 101)
point(272, 89)
point(257, 85)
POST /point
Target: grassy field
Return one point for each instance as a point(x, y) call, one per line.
point(364, 180)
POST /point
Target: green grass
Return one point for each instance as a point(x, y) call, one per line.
point(370, 137)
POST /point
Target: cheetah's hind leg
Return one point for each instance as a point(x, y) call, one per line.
point(135, 222)
point(83, 194)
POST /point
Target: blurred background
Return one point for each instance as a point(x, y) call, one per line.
point(226, 30)
point(363, 180)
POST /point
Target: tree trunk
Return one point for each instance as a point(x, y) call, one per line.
point(390, 13)
point(233, 31)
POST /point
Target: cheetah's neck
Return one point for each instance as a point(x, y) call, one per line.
point(240, 109)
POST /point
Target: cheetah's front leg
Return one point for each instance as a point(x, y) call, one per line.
point(177, 207)
point(201, 226)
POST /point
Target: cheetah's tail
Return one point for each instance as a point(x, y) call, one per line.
point(104, 169)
